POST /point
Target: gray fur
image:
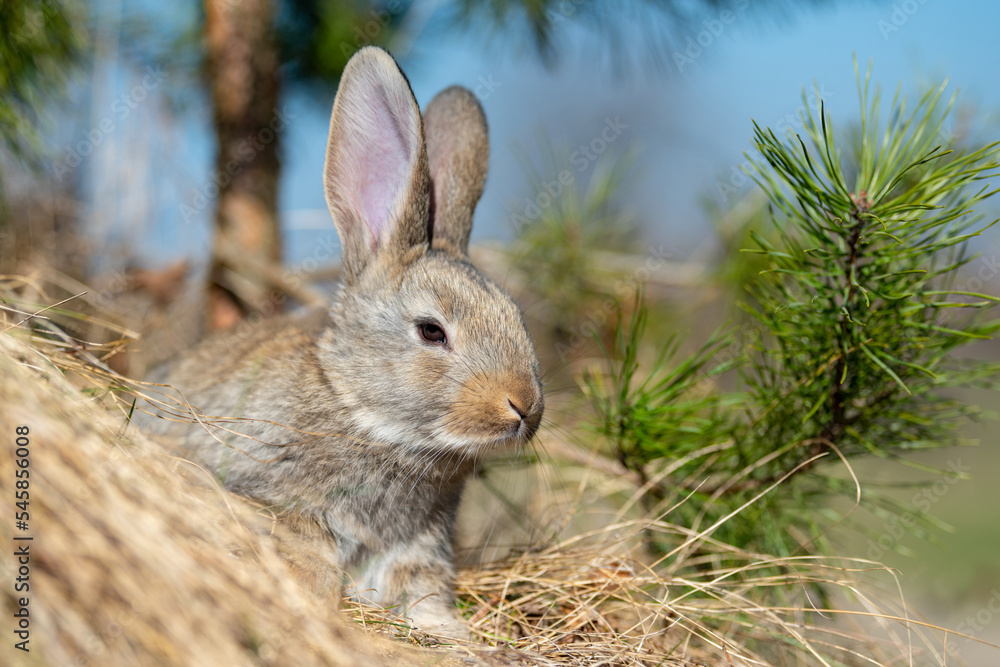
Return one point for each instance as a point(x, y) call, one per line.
point(458, 151)
point(355, 424)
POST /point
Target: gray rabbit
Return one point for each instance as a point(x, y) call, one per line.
point(367, 425)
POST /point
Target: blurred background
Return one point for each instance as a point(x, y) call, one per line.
point(627, 121)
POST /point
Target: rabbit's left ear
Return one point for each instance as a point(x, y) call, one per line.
point(376, 178)
point(458, 152)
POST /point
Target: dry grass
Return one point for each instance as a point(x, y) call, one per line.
point(138, 558)
point(131, 562)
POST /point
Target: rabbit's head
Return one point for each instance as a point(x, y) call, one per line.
point(424, 351)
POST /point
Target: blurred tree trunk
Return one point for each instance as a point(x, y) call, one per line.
point(242, 74)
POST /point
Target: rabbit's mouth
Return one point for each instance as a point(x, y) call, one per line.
point(516, 434)
point(514, 439)
point(496, 413)
point(498, 433)
point(526, 420)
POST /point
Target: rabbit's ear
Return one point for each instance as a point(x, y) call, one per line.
point(376, 177)
point(458, 151)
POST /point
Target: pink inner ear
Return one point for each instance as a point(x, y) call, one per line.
point(381, 152)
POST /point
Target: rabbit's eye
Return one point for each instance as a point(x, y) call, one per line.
point(432, 333)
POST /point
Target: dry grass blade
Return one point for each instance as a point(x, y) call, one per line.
point(140, 558)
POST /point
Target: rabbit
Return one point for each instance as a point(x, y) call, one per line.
point(368, 420)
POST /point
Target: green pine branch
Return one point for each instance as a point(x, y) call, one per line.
point(856, 324)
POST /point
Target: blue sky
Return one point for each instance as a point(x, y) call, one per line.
point(691, 122)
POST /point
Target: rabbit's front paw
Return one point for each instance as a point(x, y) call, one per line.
point(440, 620)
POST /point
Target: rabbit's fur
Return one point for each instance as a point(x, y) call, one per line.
point(364, 424)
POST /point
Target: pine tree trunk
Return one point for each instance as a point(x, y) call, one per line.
point(242, 72)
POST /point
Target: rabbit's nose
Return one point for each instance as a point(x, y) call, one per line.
point(514, 406)
point(526, 406)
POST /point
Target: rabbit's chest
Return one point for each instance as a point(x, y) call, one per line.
point(379, 506)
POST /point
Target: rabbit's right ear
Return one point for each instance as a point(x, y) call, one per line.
point(458, 153)
point(376, 176)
